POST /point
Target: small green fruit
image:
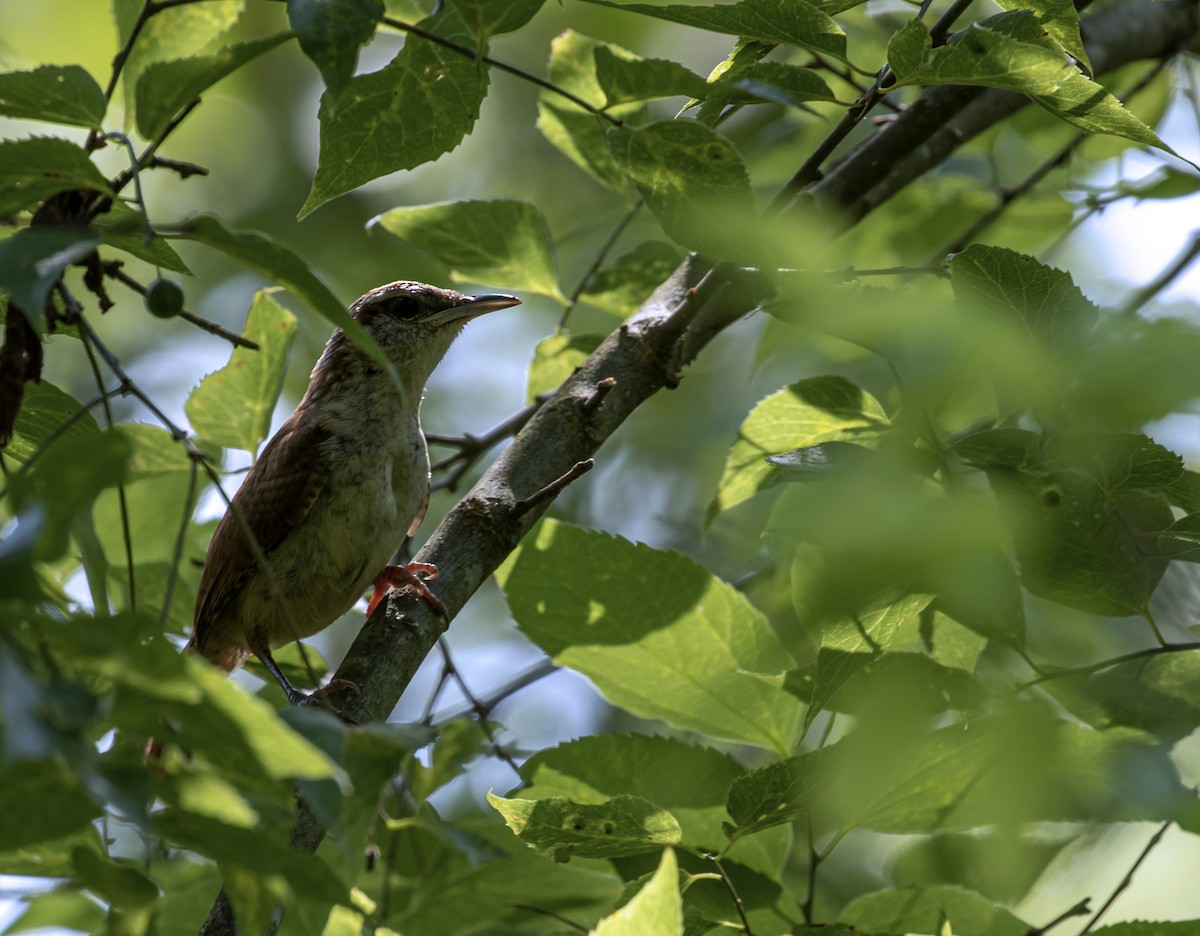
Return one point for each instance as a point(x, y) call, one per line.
point(164, 298)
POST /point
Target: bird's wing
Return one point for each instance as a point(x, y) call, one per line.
point(277, 494)
point(416, 521)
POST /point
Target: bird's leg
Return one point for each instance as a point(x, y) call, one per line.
point(261, 648)
point(399, 576)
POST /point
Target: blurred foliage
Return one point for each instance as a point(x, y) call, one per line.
point(909, 625)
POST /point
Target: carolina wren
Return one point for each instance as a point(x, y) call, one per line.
point(336, 489)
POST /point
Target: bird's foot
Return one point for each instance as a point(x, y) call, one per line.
point(401, 576)
point(320, 697)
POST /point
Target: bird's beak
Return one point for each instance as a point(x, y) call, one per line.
point(474, 306)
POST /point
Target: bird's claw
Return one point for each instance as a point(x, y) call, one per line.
point(401, 576)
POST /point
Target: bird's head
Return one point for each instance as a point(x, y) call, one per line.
point(415, 323)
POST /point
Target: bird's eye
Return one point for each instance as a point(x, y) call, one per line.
point(403, 306)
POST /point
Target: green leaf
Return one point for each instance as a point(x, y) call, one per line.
point(919, 909)
point(1091, 107)
point(174, 33)
point(371, 756)
point(58, 909)
point(555, 359)
point(999, 58)
point(625, 77)
point(578, 134)
point(1155, 928)
point(791, 22)
point(656, 910)
point(66, 480)
point(1061, 22)
point(820, 409)
point(414, 109)
point(1107, 485)
point(278, 263)
point(999, 865)
point(124, 227)
point(697, 655)
point(46, 409)
point(48, 798)
point(505, 241)
point(777, 82)
point(690, 781)
point(119, 885)
point(1158, 695)
point(848, 646)
point(33, 260)
point(153, 452)
point(331, 32)
point(53, 93)
point(167, 87)
point(233, 406)
point(621, 288)
point(695, 183)
point(33, 170)
point(1018, 767)
point(1045, 302)
point(561, 829)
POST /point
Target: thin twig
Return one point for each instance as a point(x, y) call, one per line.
point(1059, 159)
point(471, 448)
point(737, 900)
point(1107, 664)
point(552, 914)
point(112, 269)
point(552, 489)
point(503, 66)
point(476, 706)
point(89, 339)
point(486, 705)
point(1128, 879)
point(1142, 296)
point(600, 257)
point(180, 539)
point(1080, 909)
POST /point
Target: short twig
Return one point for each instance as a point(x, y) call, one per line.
point(592, 403)
point(737, 900)
point(552, 914)
point(481, 713)
point(1128, 879)
point(486, 705)
point(112, 269)
point(1107, 664)
point(552, 489)
point(471, 447)
point(1080, 909)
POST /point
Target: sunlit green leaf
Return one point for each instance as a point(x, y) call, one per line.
point(505, 242)
point(165, 88)
point(622, 287)
point(1061, 20)
point(233, 406)
point(689, 781)
point(173, 33)
point(561, 829)
point(578, 134)
point(816, 410)
point(656, 910)
point(554, 360)
point(699, 656)
point(625, 77)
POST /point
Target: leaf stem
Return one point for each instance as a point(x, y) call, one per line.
point(1128, 879)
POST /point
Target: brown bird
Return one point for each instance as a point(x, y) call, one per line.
point(336, 489)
